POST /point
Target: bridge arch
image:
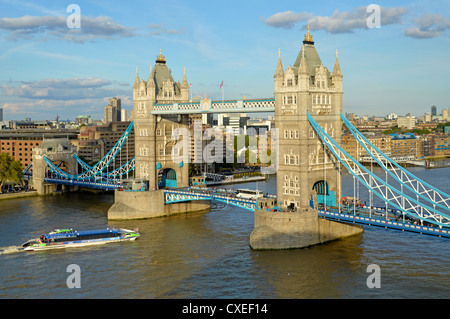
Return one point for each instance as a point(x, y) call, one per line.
point(324, 194)
point(168, 178)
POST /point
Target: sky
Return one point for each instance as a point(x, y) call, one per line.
point(50, 65)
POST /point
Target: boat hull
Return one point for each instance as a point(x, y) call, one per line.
point(38, 246)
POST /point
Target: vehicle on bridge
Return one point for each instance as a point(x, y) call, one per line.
point(64, 238)
point(249, 193)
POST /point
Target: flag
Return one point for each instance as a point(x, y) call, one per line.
point(190, 85)
point(220, 85)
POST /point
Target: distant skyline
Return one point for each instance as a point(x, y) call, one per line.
point(49, 69)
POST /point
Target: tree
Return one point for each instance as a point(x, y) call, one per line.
point(10, 169)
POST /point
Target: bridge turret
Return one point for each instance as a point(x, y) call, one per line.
point(151, 85)
point(337, 75)
point(279, 73)
point(184, 87)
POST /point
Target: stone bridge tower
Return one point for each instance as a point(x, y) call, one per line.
point(304, 168)
point(306, 173)
point(59, 151)
point(153, 134)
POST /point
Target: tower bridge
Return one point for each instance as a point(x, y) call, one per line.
point(307, 208)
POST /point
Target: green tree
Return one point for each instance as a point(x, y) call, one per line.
point(10, 169)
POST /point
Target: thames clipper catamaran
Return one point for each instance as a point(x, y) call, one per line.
point(63, 238)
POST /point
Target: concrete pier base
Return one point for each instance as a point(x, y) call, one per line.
point(286, 230)
point(150, 204)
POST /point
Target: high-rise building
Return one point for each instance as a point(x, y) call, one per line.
point(124, 115)
point(444, 114)
point(433, 110)
point(113, 110)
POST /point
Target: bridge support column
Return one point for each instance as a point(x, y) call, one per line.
point(149, 204)
point(286, 230)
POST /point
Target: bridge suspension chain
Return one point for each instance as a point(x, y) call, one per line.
point(403, 176)
point(382, 189)
point(122, 170)
point(97, 168)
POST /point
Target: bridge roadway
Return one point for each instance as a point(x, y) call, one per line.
point(375, 217)
point(99, 184)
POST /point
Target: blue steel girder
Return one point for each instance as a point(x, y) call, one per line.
point(380, 188)
point(176, 196)
point(125, 168)
point(98, 168)
point(420, 188)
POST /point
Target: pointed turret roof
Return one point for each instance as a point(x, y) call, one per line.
point(302, 69)
point(150, 81)
point(337, 67)
point(136, 79)
point(311, 59)
point(184, 82)
point(279, 71)
point(161, 73)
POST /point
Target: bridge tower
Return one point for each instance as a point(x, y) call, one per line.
point(306, 173)
point(154, 161)
point(153, 133)
point(59, 151)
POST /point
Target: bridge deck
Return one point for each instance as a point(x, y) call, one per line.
point(364, 219)
point(361, 216)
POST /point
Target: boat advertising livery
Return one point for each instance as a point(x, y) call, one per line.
point(64, 238)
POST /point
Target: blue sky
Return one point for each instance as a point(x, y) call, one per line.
point(49, 69)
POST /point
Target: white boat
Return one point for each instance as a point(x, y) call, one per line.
point(249, 193)
point(64, 238)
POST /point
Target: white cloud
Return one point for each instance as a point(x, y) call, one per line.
point(161, 29)
point(62, 89)
point(47, 27)
point(428, 26)
point(286, 19)
point(338, 22)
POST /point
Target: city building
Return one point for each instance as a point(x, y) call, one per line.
point(124, 115)
point(408, 122)
point(113, 110)
point(406, 145)
point(441, 145)
point(83, 119)
point(19, 143)
point(355, 150)
point(433, 110)
point(445, 114)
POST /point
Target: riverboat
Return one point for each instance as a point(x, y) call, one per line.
point(64, 238)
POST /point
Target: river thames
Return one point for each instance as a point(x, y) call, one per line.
point(207, 255)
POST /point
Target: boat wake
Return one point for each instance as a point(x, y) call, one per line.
point(10, 250)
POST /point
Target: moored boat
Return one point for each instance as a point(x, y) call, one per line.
point(64, 238)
